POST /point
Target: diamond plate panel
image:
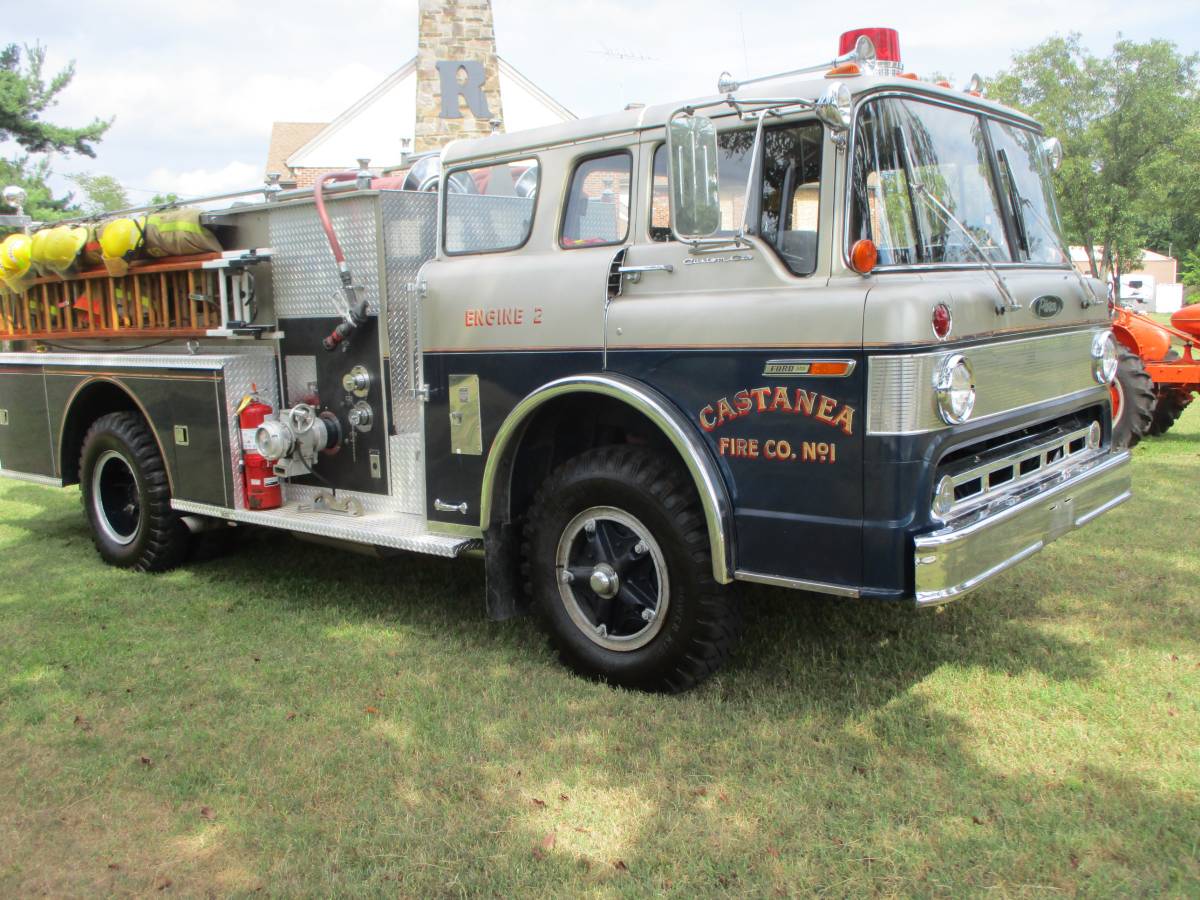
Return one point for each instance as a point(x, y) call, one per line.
point(478, 223)
point(243, 374)
point(305, 280)
point(301, 377)
point(396, 530)
point(410, 240)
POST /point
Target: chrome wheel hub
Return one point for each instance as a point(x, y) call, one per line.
point(115, 498)
point(612, 578)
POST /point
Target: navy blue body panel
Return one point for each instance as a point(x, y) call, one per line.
point(505, 378)
point(792, 462)
point(791, 454)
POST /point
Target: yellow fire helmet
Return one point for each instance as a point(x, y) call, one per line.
point(15, 255)
point(37, 251)
point(60, 249)
point(120, 241)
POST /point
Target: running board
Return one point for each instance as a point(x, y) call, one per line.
point(398, 531)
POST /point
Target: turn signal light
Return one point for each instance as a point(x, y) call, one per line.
point(837, 369)
point(863, 256)
point(911, 76)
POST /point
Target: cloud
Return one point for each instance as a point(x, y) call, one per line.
point(233, 176)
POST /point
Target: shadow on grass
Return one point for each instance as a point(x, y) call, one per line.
point(825, 758)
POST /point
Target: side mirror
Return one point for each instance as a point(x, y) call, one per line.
point(835, 106)
point(695, 194)
point(1053, 151)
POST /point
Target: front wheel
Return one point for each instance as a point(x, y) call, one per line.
point(618, 564)
point(127, 497)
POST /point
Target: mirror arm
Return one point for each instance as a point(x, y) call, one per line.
point(749, 205)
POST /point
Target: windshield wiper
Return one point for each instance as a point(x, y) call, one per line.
point(1089, 297)
point(1016, 201)
point(918, 187)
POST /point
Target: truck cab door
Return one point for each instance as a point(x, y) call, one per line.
point(732, 337)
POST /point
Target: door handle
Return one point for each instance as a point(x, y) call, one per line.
point(635, 272)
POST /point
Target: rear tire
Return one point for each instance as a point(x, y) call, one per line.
point(1132, 399)
point(617, 562)
point(1168, 407)
point(127, 497)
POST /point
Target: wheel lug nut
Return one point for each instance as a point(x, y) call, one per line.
point(565, 577)
point(640, 548)
point(590, 526)
point(647, 615)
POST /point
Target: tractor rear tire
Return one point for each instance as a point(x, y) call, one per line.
point(1168, 407)
point(127, 497)
point(617, 562)
point(1133, 401)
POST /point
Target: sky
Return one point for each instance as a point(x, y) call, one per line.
point(194, 87)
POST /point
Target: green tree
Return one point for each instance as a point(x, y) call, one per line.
point(25, 97)
point(1124, 122)
point(101, 193)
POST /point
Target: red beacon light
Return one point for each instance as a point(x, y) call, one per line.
point(887, 47)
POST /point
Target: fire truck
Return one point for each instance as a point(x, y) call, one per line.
point(818, 330)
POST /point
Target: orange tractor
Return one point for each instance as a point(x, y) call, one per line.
point(1155, 382)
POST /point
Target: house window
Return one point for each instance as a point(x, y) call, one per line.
point(597, 210)
point(490, 208)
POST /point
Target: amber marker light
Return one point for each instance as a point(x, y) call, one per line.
point(837, 369)
point(863, 256)
point(845, 70)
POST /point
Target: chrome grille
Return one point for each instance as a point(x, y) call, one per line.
point(1008, 375)
point(991, 480)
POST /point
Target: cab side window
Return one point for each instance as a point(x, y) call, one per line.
point(597, 209)
point(490, 208)
point(788, 196)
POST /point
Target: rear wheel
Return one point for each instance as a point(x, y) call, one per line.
point(127, 498)
point(1132, 394)
point(1168, 407)
point(617, 562)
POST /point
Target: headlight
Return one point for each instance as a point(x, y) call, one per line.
point(1104, 357)
point(943, 497)
point(954, 386)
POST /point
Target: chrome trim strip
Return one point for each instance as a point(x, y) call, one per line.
point(718, 511)
point(1009, 375)
point(949, 562)
point(453, 529)
point(46, 480)
point(799, 584)
point(206, 362)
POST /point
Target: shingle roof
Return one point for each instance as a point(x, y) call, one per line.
point(286, 139)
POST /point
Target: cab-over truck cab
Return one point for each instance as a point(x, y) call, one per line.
point(820, 333)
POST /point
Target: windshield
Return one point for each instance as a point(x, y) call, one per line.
point(1025, 173)
point(900, 144)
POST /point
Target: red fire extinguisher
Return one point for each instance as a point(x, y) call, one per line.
point(262, 489)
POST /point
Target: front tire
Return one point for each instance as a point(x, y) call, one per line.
point(1132, 394)
point(127, 497)
point(618, 564)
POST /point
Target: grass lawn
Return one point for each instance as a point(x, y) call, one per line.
point(294, 720)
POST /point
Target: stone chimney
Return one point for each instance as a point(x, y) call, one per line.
point(458, 74)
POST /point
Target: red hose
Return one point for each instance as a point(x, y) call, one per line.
point(319, 196)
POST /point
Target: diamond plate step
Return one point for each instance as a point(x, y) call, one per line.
point(398, 531)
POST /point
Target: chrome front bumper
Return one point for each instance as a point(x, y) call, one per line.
point(962, 556)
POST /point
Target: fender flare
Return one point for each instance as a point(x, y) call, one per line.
point(714, 498)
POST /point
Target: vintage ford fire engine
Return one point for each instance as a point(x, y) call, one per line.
point(818, 331)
